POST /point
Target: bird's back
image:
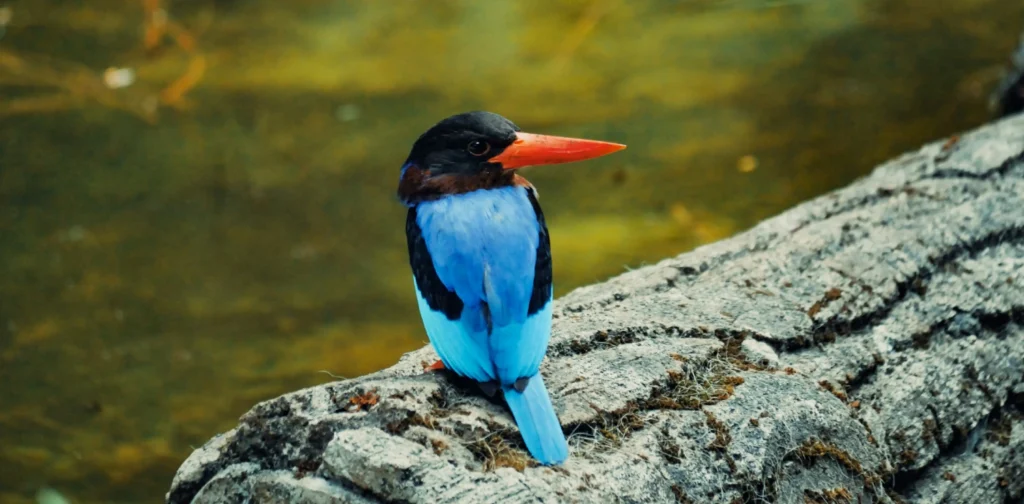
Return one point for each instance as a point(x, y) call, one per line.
point(482, 266)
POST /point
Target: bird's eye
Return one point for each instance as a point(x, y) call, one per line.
point(478, 147)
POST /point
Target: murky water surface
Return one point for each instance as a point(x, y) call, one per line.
point(198, 196)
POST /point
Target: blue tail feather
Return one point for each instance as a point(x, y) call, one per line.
point(538, 424)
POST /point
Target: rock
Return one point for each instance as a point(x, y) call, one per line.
point(759, 352)
point(865, 346)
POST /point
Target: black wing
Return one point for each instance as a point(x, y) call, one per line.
point(438, 297)
point(542, 279)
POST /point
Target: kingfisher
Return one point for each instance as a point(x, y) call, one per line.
point(481, 259)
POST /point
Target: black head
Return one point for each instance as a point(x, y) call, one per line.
point(463, 144)
point(481, 150)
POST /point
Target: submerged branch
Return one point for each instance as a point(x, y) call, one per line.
point(67, 84)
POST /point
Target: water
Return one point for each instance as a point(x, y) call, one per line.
point(169, 263)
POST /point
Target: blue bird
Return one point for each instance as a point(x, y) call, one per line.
point(481, 259)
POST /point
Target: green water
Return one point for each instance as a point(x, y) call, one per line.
point(162, 274)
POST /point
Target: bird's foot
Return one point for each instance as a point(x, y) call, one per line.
point(436, 366)
point(489, 388)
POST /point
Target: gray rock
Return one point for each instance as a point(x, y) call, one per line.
point(759, 352)
point(866, 346)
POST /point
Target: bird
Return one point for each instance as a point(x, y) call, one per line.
point(481, 263)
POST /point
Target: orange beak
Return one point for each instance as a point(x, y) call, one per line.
point(531, 150)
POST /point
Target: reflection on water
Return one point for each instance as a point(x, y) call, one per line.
point(198, 202)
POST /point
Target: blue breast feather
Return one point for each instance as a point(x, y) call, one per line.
point(483, 245)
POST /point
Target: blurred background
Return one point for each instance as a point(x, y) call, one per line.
point(198, 207)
